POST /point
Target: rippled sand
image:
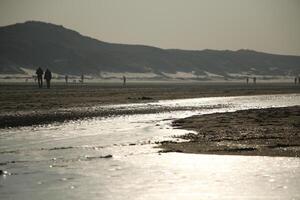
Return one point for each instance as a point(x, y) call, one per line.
point(265, 132)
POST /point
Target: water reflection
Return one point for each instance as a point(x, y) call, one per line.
point(70, 160)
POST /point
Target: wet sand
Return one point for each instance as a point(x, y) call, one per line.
point(262, 132)
point(26, 105)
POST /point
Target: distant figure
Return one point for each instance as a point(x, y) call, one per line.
point(124, 80)
point(66, 78)
point(82, 78)
point(48, 77)
point(39, 72)
point(295, 80)
point(254, 80)
point(247, 80)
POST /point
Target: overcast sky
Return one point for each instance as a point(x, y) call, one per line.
point(263, 25)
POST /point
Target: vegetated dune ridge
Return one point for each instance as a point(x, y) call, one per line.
point(262, 132)
point(64, 51)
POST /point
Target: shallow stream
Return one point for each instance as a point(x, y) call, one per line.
point(72, 160)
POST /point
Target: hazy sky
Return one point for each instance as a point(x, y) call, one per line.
point(263, 25)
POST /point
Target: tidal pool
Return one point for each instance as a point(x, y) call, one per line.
point(71, 160)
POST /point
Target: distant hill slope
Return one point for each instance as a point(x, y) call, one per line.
point(64, 51)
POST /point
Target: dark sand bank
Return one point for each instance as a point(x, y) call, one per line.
point(26, 105)
point(263, 132)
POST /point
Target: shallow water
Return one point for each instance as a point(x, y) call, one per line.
point(65, 160)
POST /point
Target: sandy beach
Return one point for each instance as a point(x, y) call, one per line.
point(124, 146)
point(263, 132)
point(26, 105)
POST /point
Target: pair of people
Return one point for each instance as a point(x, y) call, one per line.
point(254, 80)
point(47, 77)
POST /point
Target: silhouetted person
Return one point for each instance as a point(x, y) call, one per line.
point(82, 78)
point(124, 80)
point(295, 80)
point(39, 72)
point(254, 80)
point(66, 78)
point(48, 77)
point(247, 80)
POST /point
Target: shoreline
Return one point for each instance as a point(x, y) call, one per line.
point(27, 105)
point(254, 132)
point(43, 118)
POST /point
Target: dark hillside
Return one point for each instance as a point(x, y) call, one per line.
point(33, 44)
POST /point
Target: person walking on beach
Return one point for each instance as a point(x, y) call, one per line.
point(124, 80)
point(247, 80)
point(48, 77)
point(295, 80)
point(254, 80)
point(39, 72)
point(82, 78)
point(66, 78)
